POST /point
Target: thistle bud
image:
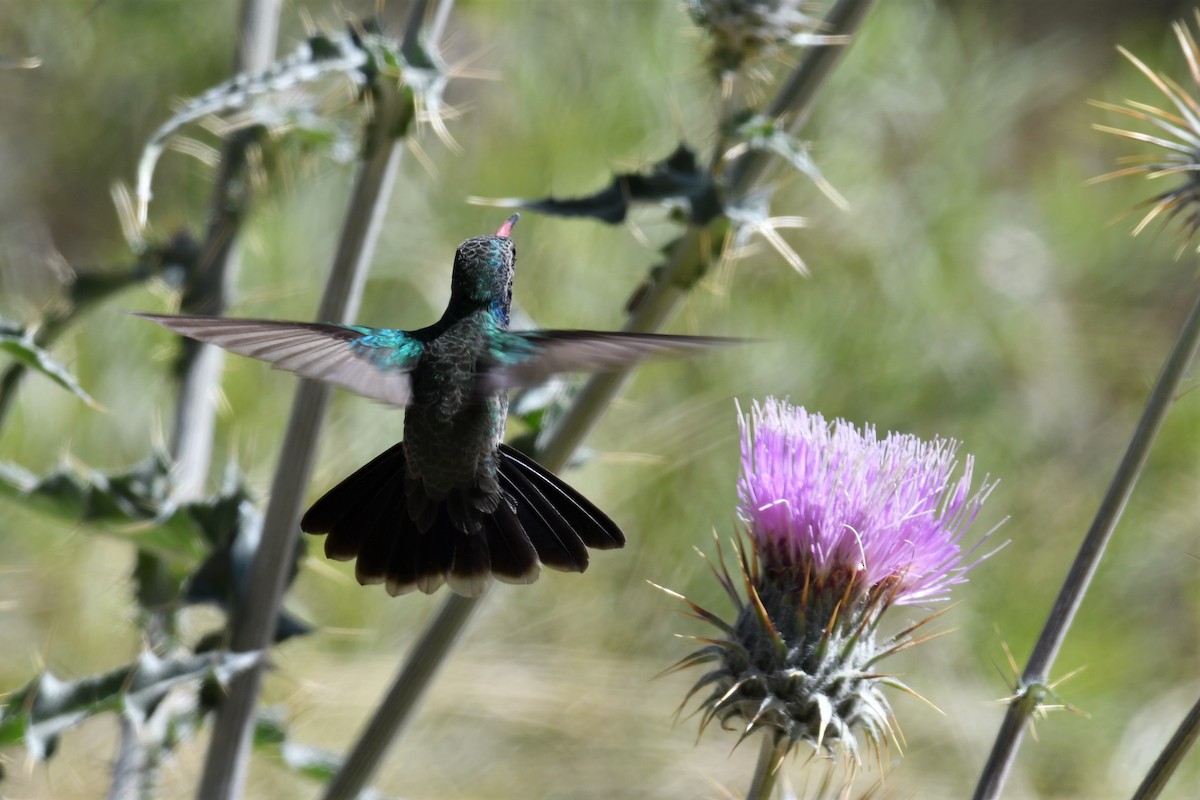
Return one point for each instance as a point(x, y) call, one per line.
point(745, 32)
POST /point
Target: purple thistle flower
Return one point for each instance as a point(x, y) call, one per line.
point(826, 503)
point(841, 526)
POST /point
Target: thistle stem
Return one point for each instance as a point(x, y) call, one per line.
point(690, 258)
point(1165, 765)
point(1034, 679)
point(208, 287)
point(132, 776)
point(254, 627)
point(766, 772)
point(688, 262)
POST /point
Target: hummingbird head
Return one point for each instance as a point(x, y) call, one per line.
point(483, 270)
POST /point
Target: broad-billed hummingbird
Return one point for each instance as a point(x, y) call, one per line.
point(450, 503)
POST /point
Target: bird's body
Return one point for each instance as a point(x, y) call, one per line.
point(442, 409)
point(450, 503)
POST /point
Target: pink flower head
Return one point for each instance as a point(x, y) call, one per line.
point(830, 506)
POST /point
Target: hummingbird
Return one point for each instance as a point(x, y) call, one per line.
point(450, 503)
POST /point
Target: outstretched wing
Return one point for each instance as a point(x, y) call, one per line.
point(522, 358)
point(371, 362)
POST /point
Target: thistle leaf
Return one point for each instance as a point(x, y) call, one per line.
point(276, 99)
point(134, 503)
point(232, 523)
point(46, 707)
point(77, 493)
point(677, 181)
point(207, 545)
point(316, 57)
point(19, 344)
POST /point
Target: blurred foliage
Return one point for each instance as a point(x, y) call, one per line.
point(972, 290)
point(271, 738)
point(202, 549)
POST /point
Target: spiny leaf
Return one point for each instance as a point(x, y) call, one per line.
point(316, 57)
point(41, 711)
point(676, 181)
point(134, 503)
point(214, 538)
point(170, 260)
point(75, 492)
point(270, 100)
point(19, 344)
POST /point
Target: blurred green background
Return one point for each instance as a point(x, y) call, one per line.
point(975, 290)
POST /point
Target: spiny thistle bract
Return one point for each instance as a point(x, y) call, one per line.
point(1177, 134)
point(839, 526)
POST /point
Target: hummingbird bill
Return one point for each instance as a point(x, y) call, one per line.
point(450, 503)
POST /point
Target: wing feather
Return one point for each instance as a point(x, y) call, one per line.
point(529, 357)
point(334, 354)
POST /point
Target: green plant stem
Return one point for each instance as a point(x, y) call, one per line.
point(1167, 762)
point(766, 772)
point(208, 288)
point(254, 627)
point(687, 264)
point(259, 34)
point(1035, 677)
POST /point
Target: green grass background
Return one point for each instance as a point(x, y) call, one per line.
point(975, 290)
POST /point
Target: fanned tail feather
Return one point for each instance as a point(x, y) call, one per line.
point(537, 520)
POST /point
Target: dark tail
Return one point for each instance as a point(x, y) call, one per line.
point(538, 520)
